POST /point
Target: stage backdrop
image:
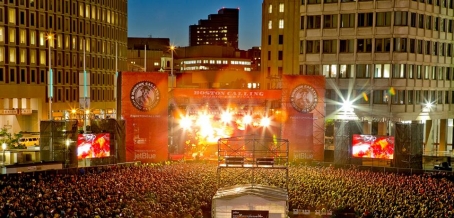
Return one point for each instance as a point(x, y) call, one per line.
point(144, 103)
point(303, 99)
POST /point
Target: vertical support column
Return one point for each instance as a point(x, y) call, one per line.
point(2, 103)
point(442, 127)
point(366, 127)
point(19, 104)
point(10, 103)
point(28, 104)
point(382, 128)
point(427, 140)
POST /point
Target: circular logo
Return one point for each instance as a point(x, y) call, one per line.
point(304, 98)
point(145, 95)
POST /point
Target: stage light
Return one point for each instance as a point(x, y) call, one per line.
point(186, 123)
point(203, 120)
point(347, 106)
point(226, 117)
point(247, 119)
point(265, 121)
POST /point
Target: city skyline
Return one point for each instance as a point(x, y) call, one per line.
point(143, 22)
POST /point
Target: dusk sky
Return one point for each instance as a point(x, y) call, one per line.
point(171, 19)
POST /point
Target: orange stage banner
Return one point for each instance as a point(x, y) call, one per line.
point(144, 104)
point(303, 103)
point(227, 93)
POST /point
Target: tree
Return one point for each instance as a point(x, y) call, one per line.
point(11, 140)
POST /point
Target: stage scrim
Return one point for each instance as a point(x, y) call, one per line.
point(202, 116)
point(144, 104)
point(303, 99)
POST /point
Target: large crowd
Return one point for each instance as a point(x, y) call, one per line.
point(186, 190)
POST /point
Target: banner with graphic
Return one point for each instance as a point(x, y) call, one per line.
point(303, 99)
point(144, 107)
point(227, 94)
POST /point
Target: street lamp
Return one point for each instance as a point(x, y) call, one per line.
point(50, 87)
point(3, 158)
point(67, 152)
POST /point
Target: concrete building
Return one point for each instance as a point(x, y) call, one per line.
point(147, 51)
point(38, 35)
point(218, 29)
point(392, 59)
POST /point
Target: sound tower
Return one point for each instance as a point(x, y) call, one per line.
point(408, 149)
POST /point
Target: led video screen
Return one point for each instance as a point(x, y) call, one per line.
point(93, 145)
point(373, 146)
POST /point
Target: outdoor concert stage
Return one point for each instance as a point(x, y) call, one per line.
point(31, 167)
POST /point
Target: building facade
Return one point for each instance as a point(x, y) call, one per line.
point(218, 29)
point(42, 36)
point(391, 59)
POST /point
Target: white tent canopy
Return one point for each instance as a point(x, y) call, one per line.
point(251, 197)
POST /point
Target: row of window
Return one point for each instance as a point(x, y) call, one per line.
point(56, 6)
point(63, 94)
point(377, 45)
point(39, 76)
point(393, 96)
point(397, 71)
point(70, 25)
point(377, 19)
point(59, 59)
point(442, 3)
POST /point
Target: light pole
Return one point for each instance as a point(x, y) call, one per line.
point(3, 158)
point(67, 153)
point(172, 48)
point(50, 76)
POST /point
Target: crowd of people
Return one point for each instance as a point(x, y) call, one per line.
point(186, 190)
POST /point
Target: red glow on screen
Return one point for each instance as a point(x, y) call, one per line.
point(93, 145)
point(373, 146)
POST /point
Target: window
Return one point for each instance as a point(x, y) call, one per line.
point(399, 71)
point(421, 21)
point(1, 15)
point(365, 19)
point(400, 18)
point(2, 34)
point(427, 71)
point(269, 39)
point(400, 45)
point(411, 71)
point(419, 46)
point(2, 54)
point(32, 56)
point(428, 48)
point(313, 69)
point(382, 45)
point(330, 1)
point(330, 21)
point(279, 55)
point(364, 45)
point(313, 2)
point(347, 21)
point(270, 24)
point(301, 46)
point(270, 8)
point(312, 46)
point(450, 26)
point(347, 71)
point(412, 45)
point(429, 22)
point(269, 55)
point(314, 22)
point(281, 7)
point(435, 48)
point(281, 39)
point(12, 75)
point(12, 35)
point(417, 96)
point(281, 23)
point(398, 97)
point(302, 22)
point(363, 71)
point(442, 50)
point(12, 54)
point(330, 46)
point(436, 23)
point(347, 46)
point(380, 96)
point(330, 70)
point(443, 25)
point(449, 50)
point(22, 17)
point(383, 19)
point(440, 73)
point(410, 96)
point(382, 70)
point(413, 19)
point(12, 15)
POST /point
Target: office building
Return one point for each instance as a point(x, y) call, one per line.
point(36, 35)
point(218, 29)
point(391, 59)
